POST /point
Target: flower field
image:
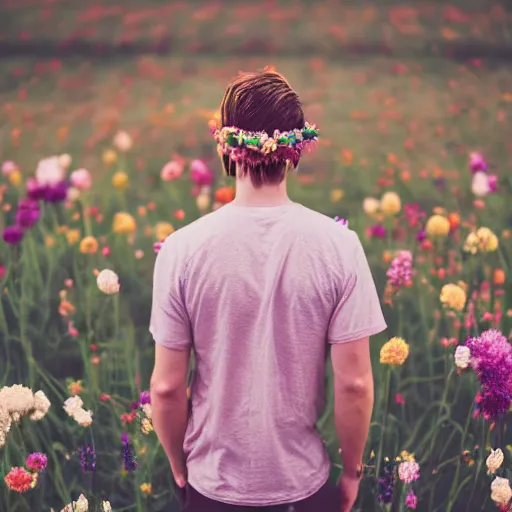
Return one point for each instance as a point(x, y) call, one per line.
point(105, 150)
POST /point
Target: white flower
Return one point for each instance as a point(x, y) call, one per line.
point(123, 141)
point(462, 357)
point(65, 160)
point(494, 461)
point(41, 406)
point(480, 184)
point(81, 505)
point(501, 493)
point(73, 404)
point(371, 205)
point(49, 171)
point(108, 282)
point(83, 417)
point(5, 424)
point(203, 201)
point(17, 399)
point(107, 507)
point(147, 410)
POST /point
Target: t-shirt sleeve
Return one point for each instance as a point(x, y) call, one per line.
point(357, 313)
point(169, 324)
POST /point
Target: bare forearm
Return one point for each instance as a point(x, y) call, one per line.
point(352, 414)
point(170, 418)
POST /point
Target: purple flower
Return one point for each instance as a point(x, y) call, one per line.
point(36, 461)
point(87, 458)
point(386, 483)
point(411, 501)
point(421, 235)
point(400, 272)
point(340, 221)
point(129, 460)
point(491, 358)
point(56, 193)
point(28, 213)
point(35, 191)
point(145, 398)
point(477, 163)
point(378, 231)
point(493, 182)
point(12, 235)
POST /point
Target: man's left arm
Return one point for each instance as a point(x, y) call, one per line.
point(170, 405)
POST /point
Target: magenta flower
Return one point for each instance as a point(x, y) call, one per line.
point(491, 358)
point(157, 246)
point(411, 500)
point(28, 213)
point(399, 274)
point(378, 231)
point(477, 163)
point(12, 235)
point(36, 461)
point(200, 174)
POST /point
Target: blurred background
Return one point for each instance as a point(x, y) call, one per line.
point(401, 92)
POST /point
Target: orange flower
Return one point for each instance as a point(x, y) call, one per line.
point(89, 245)
point(224, 195)
point(66, 308)
point(499, 276)
point(454, 219)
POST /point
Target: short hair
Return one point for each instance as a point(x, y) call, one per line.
point(256, 102)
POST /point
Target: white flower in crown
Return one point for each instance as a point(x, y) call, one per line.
point(108, 282)
point(298, 134)
point(269, 146)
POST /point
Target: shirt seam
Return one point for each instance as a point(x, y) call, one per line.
point(368, 331)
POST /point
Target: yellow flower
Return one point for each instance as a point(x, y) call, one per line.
point(437, 225)
point(146, 426)
point(337, 195)
point(72, 236)
point(163, 230)
point(390, 203)
point(124, 223)
point(109, 156)
point(89, 245)
point(15, 178)
point(483, 240)
point(395, 352)
point(453, 296)
point(146, 488)
point(120, 180)
point(407, 457)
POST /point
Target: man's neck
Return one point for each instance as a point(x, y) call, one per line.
point(267, 195)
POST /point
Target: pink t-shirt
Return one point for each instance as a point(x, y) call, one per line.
point(258, 292)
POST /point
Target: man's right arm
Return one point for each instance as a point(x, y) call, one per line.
point(353, 405)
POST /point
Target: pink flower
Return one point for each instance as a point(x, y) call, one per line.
point(81, 179)
point(157, 246)
point(411, 501)
point(399, 399)
point(171, 170)
point(72, 330)
point(201, 175)
point(8, 167)
point(409, 471)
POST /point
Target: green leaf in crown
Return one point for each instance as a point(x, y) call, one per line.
point(232, 140)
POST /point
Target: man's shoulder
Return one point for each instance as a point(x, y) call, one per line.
point(323, 227)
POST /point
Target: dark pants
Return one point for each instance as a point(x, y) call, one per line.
point(327, 499)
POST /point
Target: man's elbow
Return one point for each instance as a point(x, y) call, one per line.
point(166, 390)
point(359, 388)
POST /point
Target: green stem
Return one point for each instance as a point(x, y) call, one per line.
point(384, 413)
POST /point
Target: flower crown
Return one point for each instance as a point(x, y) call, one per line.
point(240, 144)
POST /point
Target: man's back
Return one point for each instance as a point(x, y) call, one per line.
point(263, 290)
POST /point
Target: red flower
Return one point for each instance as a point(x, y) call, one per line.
point(18, 479)
point(399, 399)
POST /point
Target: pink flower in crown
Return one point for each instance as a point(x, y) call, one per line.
point(200, 173)
point(157, 246)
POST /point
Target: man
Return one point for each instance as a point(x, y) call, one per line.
point(259, 290)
